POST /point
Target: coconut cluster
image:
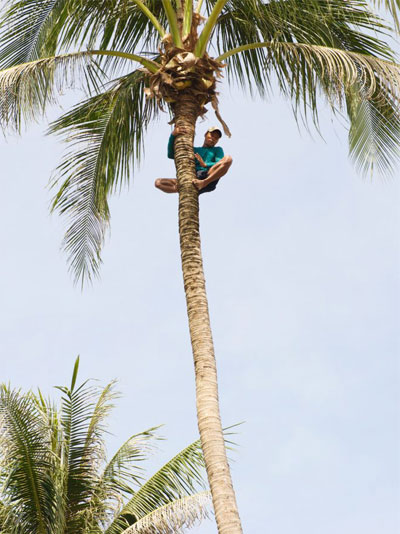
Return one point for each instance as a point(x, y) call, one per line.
point(181, 71)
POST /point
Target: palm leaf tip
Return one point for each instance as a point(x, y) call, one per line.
point(393, 7)
point(374, 135)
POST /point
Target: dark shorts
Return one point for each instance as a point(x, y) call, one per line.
point(202, 175)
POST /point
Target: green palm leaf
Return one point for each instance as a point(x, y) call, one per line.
point(393, 6)
point(25, 31)
point(54, 477)
point(29, 490)
point(118, 473)
point(107, 135)
point(117, 478)
point(238, 24)
point(334, 23)
point(374, 84)
point(27, 89)
point(36, 29)
point(303, 71)
point(176, 479)
point(80, 465)
point(99, 21)
point(374, 132)
point(84, 452)
point(49, 412)
point(101, 410)
point(129, 30)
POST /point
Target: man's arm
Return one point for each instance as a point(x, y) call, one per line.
point(171, 142)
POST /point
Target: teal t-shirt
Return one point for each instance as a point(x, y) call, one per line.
point(211, 155)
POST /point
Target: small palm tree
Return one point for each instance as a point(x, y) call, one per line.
point(54, 477)
point(306, 48)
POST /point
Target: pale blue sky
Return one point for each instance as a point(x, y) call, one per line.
point(302, 267)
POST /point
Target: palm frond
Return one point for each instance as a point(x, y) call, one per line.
point(80, 468)
point(107, 135)
point(54, 477)
point(33, 29)
point(393, 6)
point(347, 24)
point(303, 71)
point(117, 478)
point(120, 22)
point(209, 27)
point(122, 470)
point(176, 479)
point(9, 521)
point(130, 32)
point(26, 31)
point(302, 68)
point(84, 410)
point(3, 516)
point(27, 89)
point(174, 518)
point(49, 412)
point(333, 23)
point(238, 25)
point(374, 132)
point(28, 486)
point(316, 47)
point(101, 410)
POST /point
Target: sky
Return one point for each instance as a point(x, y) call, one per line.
point(301, 259)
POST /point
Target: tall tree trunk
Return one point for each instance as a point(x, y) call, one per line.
point(208, 415)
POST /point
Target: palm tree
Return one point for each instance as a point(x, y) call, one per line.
point(306, 48)
point(55, 478)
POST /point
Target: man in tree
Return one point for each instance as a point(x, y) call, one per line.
point(211, 163)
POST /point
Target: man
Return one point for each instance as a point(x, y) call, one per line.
point(211, 164)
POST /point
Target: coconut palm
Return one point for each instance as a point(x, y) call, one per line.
point(55, 477)
point(169, 55)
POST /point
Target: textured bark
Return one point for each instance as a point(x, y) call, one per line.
point(208, 415)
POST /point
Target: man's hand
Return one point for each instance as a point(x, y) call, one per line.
point(179, 130)
point(200, 160)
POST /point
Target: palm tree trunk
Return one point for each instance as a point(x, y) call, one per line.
point(208, 415)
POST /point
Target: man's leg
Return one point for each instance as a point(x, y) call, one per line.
point(217, 171)
point(168, 185)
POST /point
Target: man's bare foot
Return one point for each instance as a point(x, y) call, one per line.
point(199, 184)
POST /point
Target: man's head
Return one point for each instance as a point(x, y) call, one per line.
point(212, 136)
